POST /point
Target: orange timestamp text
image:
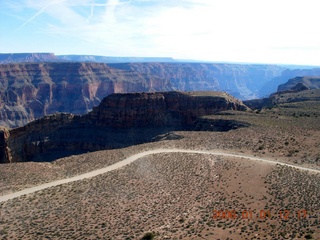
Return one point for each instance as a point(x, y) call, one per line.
point(262, 214)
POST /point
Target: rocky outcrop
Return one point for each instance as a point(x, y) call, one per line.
point(298, 89)
point(120, 120)
point(272, 85)
point(5, 153)
point(300, 84)
point(31, 90)
point(160, 109)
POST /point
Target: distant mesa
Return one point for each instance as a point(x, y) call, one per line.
point(51, 57)
point(28, 57)
point(105, 59)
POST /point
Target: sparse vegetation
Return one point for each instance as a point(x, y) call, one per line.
point(174, 195)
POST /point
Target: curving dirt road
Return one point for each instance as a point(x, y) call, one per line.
point(132, 159)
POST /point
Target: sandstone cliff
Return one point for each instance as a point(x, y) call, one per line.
point(120, 120)
point(31, 90)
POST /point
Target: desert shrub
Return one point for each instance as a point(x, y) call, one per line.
point(308, 236)
point(148, 236)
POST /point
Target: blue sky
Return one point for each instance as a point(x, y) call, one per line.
point(261, 31)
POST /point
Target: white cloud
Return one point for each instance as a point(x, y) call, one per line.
point(247, 30)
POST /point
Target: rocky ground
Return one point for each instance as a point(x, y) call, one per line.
point(179, 195)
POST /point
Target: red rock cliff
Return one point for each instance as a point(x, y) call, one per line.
point(158, 109)
point(31, 90)
point(120, 120)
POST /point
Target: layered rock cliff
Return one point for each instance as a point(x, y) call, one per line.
point(120, 120)
point(243, 81)
point(31, 90)
point(160, 109)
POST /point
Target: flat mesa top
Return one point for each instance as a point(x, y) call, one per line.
point(207, 94)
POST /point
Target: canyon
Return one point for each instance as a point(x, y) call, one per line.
point(29, 91)
point(33, 85)
point(242, 81)
point(170, 185)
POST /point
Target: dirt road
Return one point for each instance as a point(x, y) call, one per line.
point(132, 159)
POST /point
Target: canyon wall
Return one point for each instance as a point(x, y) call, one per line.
point(31, 90)
point(120, 120)
point(243, 81)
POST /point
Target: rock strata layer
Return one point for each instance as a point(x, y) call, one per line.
point(29, 91)
point(120, 120)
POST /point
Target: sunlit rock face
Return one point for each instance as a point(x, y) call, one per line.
point(31, 90)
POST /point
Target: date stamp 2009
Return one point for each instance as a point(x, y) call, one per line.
point(262, 214)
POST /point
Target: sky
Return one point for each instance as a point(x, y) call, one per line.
point(252, 31)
